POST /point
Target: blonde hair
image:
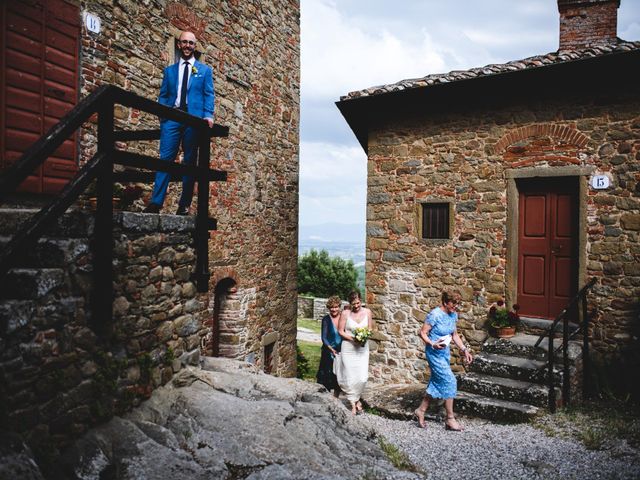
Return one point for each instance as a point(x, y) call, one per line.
point(333, 300)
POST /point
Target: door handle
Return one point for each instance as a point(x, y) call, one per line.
point(556, 248)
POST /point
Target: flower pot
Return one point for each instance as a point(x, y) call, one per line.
point(505, 332)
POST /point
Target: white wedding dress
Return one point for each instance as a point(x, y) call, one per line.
point(353, 368)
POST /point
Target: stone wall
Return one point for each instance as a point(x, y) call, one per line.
point(473, 160)
point(58, 376)
point(253, 48)
point(305, 307)
point(320, 308)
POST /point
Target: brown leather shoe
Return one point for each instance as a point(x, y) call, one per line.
point(152, 208)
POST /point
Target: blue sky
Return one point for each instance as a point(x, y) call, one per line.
point(350, 45)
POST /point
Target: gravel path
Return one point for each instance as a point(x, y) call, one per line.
point(487, 450)
point(308, 335)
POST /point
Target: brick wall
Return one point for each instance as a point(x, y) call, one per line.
point(253, 48)
point(470, 160)
point(587, 22)
point(59, 377)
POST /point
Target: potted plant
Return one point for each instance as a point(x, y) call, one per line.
point(502, 321)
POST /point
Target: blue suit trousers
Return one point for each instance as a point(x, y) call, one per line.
point(172, 135)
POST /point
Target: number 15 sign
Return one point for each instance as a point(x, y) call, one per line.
point(600, 182)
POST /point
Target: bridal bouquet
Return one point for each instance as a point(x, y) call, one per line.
point(362, 334)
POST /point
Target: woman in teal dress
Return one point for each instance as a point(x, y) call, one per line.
point(438, 331)
point(331, 342)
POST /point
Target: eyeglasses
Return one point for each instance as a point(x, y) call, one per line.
point(187, 42)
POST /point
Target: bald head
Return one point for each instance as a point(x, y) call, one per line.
point(187, 44)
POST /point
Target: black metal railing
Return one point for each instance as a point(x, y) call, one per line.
point(100, 168)
point(583, 327)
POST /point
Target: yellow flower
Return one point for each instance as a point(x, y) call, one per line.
point(194, 70)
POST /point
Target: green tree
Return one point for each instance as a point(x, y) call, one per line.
point(320, 275)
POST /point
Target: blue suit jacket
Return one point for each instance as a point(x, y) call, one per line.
point(200, 93)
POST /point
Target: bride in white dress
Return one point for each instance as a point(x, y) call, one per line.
point(353, 368)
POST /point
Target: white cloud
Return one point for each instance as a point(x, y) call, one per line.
point(349, 45)
point(333, 181)
point(330, 162)
point(338, 57)
point(631, 32)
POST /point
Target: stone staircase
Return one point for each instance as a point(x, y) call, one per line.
point(50, 281)
point(507, 379)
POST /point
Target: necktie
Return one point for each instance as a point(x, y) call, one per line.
point(183, 89)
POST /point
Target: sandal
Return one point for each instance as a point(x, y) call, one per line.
point(449, 427)
point(359, 409)
point(419, 417)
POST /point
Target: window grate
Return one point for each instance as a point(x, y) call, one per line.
point(435, 220)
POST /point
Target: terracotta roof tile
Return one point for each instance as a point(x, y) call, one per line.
point(495, 69)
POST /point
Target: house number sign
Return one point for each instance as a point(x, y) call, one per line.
point(92, 22)
point(600, 182)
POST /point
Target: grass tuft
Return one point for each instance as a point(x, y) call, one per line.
point(396, 457)
point(309, 366)
point(592, 438)
point(596, 424)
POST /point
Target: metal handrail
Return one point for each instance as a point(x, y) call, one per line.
point(100, 168)
point(550, 332)
point(564, 312)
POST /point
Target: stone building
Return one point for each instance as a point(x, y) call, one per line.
point(56, 52)
point(518, 181)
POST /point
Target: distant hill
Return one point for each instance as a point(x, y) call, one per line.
point(339, 240)
point(332, 233)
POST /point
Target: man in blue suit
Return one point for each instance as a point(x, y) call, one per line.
point(187, 85)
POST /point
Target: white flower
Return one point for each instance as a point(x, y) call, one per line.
point(362, 334)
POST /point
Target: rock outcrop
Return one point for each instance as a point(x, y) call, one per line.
point(229, 420)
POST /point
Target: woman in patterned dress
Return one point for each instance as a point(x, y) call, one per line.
point(437, 332)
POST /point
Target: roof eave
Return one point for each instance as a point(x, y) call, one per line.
point(360, 111)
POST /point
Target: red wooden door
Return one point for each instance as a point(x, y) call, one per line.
point(547, 262)
point(39, 48)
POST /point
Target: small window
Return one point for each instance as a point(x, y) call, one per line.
point(435, 220)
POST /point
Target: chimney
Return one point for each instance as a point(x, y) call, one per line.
point(587, 22)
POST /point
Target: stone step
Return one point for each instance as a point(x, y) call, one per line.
point(517, 368)
point(505, 389)
point(522, 345)
point(15, 314)
point(495, 409)
point(52, 252)
point(72, 224)
point(536, 326)
point(30, 283)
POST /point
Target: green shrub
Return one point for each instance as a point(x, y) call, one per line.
point(302, 362)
